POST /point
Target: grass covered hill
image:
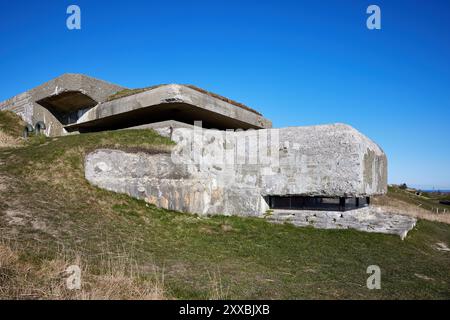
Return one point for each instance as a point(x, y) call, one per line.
point(51, 217)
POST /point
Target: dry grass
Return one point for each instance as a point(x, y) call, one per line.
point(119, 278)
point(398, 206)
point(116, 277)
point(129, 92)
point(7, 141)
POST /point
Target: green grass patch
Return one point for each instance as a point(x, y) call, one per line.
point(201, 257)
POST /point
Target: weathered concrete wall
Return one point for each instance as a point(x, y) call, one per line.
point(217, 172)
point(167, 97)
point(367, 219)
point(327, 160)
point(155, 178)
point(22, 104)
point(31, 112)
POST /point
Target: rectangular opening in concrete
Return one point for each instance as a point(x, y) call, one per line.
point(180, 112)
point(68, 106)
point(294, 202)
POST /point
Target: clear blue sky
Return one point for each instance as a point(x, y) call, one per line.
point(299, 62)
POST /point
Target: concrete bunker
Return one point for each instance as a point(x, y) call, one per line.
point(75, 103)
point(328, 168)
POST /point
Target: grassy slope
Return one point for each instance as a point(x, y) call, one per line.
point(11, 124)
point(228, 257)
point(129, 92)
point(428, 201)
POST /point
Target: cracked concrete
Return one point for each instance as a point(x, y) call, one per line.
point(218, 172)
point(368, 219)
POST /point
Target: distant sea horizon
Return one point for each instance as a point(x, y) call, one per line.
point(428, 188)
